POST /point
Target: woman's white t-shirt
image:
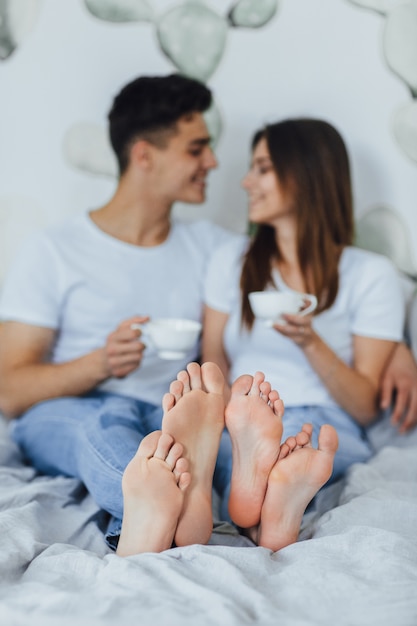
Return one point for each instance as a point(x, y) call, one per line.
point(369, 303)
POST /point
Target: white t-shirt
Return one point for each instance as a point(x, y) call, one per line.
point(369, 303)
point(76, 279)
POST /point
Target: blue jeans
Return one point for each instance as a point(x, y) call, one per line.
point(93, 438)
point(353, 444)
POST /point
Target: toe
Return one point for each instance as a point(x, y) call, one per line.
point(278, 408)
point(212, 378)
point(149, 444)
point(174, 454)
point(164, 446)
point(184, 481)
point(168, 402)
point(176, 388)
point(181, 466)
point(302, 439)
point(242, 385)
point(291, 443)
point(328, 440)
point(265, 389)
point(184, 378)
point(194, 371)
point(283, 451)
point(308, 428)
point(258, 379)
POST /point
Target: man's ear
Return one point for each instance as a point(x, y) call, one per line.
point(141, 154)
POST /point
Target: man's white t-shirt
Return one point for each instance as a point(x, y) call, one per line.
point(76, 279)
point(369, 303)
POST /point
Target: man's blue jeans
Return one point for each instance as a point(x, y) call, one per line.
point(93, 438)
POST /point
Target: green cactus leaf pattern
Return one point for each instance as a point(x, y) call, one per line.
point(17, 19)
point(87, 147)
point(380, 6)
point(121, 11)
point(214, 123)
point(7, 43)
point(383, 230)
point(400, 42)
point(252, 13)
point(405, 129)
point(193, 37)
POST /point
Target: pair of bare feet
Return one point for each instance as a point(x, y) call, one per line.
point(167, 486)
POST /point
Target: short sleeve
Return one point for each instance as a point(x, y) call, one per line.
point(379, 310)
point(30, 293)
point(223, 275)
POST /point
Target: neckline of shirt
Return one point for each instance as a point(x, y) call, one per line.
point(96, 230)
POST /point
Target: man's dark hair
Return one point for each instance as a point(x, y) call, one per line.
point(149, 107)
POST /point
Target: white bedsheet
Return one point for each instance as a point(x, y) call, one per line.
point(355, 563)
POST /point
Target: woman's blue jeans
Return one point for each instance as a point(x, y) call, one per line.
point(354, 447)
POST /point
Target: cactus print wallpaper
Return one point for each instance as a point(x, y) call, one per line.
point(353, 62)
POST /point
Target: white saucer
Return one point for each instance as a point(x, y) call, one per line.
point(278, 320)
point(171, 355)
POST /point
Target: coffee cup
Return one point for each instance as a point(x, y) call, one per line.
point(172, 338)
point(271, 305)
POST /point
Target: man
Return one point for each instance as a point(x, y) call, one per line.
point(73, 367)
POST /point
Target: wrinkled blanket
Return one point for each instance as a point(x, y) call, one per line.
point(355, 562)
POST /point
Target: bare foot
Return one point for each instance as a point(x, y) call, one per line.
point(254, 421)
point(295, 442)
point(293, 482)
point(194, 415)
point(154, 485)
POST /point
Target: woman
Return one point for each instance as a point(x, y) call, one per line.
point(326, 365)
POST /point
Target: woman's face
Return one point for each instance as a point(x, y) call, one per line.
point(267, 201)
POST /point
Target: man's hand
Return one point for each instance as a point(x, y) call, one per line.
point(124, 350)
point(399, 387)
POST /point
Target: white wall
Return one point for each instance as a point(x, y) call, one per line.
point(315, 57)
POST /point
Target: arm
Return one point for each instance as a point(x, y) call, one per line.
point(354, 388)
point(399, 388)
point(214, 323)
point(26, 376)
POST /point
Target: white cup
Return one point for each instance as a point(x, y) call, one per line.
point(270, 305)
point(171, 337)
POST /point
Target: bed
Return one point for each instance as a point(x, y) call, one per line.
point(355, 562)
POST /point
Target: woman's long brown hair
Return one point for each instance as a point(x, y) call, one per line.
point(312, 166)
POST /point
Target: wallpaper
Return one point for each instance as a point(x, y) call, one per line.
point(193, 38)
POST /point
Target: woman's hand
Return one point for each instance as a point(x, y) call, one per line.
point(298, 328)
point(370, 356)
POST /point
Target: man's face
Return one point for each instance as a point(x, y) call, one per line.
point(181, 167)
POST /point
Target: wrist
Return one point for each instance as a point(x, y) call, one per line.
point(311, 346)
point(100, 368)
